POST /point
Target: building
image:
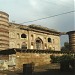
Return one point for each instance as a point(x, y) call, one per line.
point(71, 35)
point(23, 44)
point(14, 35)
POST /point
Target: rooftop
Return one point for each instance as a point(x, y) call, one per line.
point(41, 27)
point(33, 26)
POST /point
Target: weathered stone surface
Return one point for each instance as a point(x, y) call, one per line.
point(38, 59)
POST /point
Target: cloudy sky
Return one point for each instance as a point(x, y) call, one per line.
point(23, 11)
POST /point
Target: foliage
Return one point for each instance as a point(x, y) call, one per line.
point(63, 58)
point(55, 59)
point(67, 60)
point(65, 47)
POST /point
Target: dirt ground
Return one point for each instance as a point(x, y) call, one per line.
point(50, 69)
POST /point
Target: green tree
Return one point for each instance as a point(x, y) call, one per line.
point(65, 47)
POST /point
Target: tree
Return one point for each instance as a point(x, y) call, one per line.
point(65, 47)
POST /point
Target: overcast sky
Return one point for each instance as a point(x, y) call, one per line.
point(22, 11)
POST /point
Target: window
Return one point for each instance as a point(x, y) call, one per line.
point(49, 39)
point(39, 43)
point(24, 45)
point(23, 36)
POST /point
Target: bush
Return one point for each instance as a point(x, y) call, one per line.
point(55, 59)
point(65, 58)
point(65, 61)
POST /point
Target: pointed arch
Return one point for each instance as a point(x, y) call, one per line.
point(39, 43)
point(24, 45)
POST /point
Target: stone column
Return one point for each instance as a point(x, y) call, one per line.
point(4, 30)
point(29, 39)
point(71, 40)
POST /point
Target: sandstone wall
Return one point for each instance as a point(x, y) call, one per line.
point(38, 59)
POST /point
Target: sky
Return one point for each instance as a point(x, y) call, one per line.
point(23, 11)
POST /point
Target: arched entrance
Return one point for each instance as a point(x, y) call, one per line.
point(39, 43)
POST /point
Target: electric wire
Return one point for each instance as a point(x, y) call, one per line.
point(49, 16)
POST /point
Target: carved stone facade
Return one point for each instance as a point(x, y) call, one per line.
point(14, 35)
point(32, 38)
point(24, 37)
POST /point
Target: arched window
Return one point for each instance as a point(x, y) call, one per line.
point(49, 39)
point(24, 45)
point(23, 36)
